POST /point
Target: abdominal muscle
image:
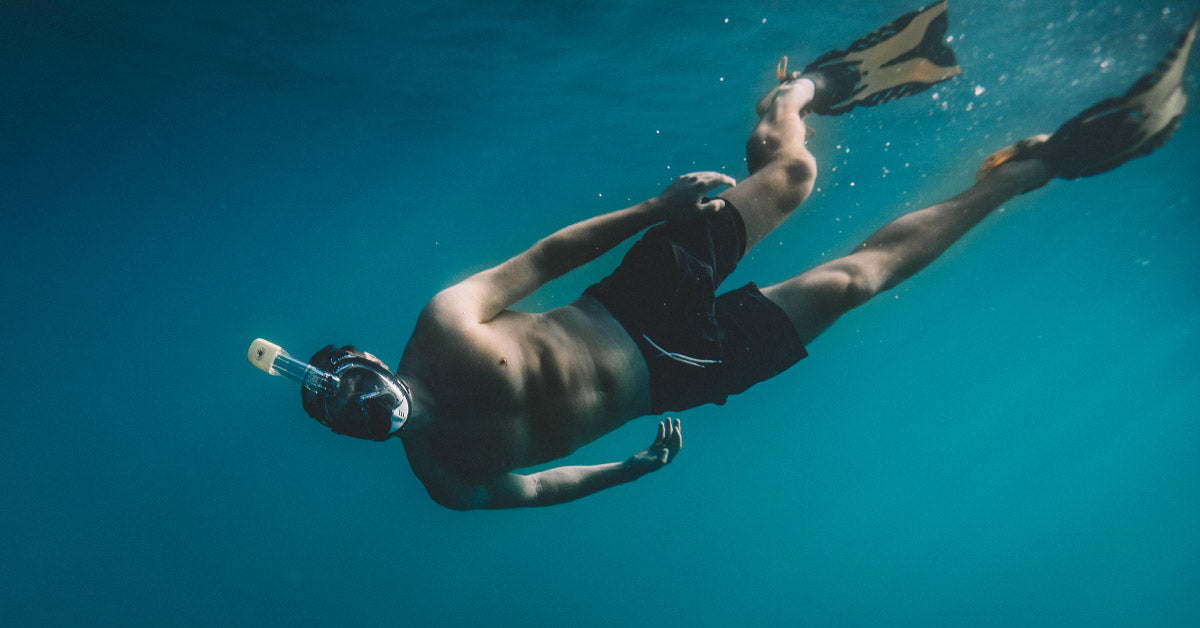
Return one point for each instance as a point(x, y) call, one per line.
point(579, 373)
point(520, 390)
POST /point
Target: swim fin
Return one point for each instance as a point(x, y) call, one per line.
point(1114, 130)
point(905, 57)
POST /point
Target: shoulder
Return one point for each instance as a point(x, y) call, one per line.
point(444, 322)
point(446, 307)
point(442, 487)
point(454, 307)
point(503, 490)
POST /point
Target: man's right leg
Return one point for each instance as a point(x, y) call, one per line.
point(782, 171)
point(816, 298)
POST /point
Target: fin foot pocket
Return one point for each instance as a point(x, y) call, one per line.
point(905, 57)
point(1028, 148)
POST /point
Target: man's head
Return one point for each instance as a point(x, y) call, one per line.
point(370, 401)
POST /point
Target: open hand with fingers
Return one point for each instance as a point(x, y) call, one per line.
point(684, 198)
point(662, 451)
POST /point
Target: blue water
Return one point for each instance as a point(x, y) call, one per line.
point(1011, 438)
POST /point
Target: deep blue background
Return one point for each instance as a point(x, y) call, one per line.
point(1011, 438)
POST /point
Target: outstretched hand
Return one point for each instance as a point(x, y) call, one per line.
point(684, 198)
point(662, 451)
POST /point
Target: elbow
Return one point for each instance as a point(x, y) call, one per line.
point(452, 500)
point(453, 504)
point(481, 498)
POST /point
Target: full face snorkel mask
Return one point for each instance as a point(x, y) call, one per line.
point(359, 398)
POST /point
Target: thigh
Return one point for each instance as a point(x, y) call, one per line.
point(766, 197)
point(816, 298)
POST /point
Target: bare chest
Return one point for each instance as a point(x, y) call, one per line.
point(522, 390)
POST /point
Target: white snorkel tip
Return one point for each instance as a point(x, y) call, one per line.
point(262, 355)
point(272, 359)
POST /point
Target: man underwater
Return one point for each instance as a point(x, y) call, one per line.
point(482, 391)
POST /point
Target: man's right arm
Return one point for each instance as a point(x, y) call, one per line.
point(563, 484)
point(481, 297)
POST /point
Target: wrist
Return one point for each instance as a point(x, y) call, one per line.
point(655, 209)
point(638, 465)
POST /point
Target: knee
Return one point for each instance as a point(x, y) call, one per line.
point(849, 283)
point(790, 157)
point(818, 297)
point(799, 174)
point(800, 169)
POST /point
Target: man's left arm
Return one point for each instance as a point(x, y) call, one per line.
point(484, 295)
point(564, 484)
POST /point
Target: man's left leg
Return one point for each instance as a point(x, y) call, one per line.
point(782, 171)
point(816, 298)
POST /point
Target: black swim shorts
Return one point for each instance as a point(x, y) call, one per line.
point(699, 347)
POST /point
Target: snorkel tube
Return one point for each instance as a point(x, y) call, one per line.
point(271, 358)
point(359, 398)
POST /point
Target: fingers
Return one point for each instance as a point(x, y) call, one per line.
point(670, 440)
point(667, 443)
point(707, 180)
point(712, 207)
point(722, 179)
point(685, 199)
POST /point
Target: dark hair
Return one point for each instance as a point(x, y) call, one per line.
point(323, 360)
